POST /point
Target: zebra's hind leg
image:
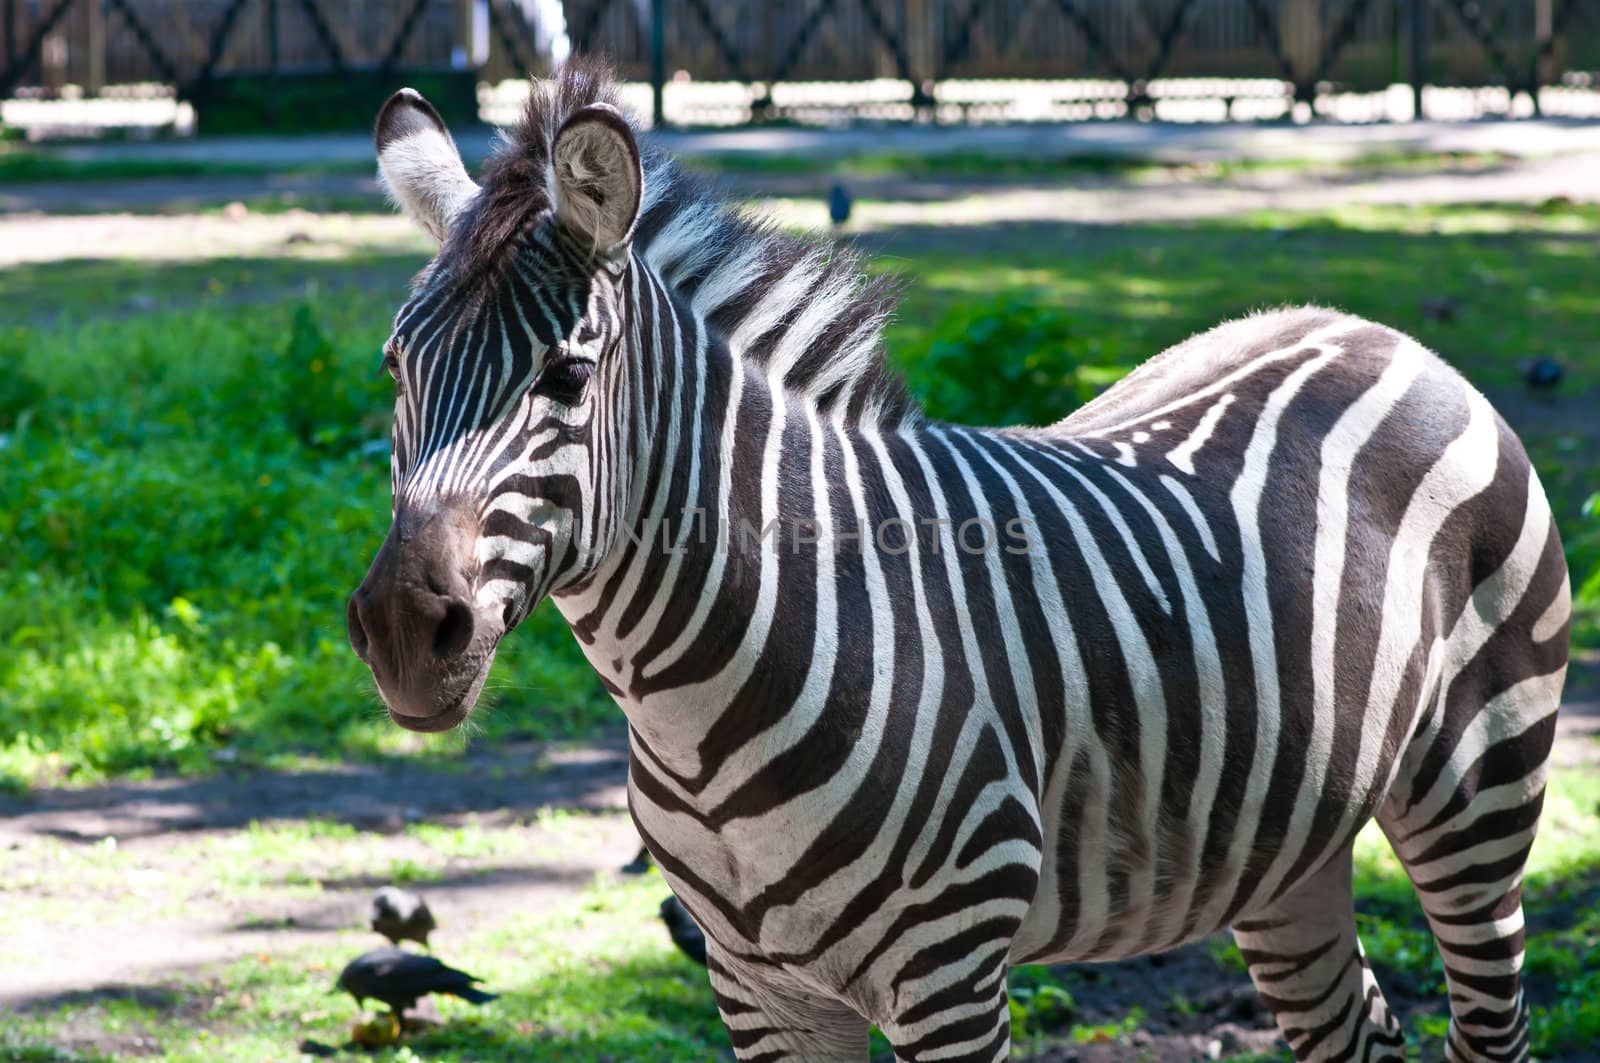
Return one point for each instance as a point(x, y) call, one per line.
point(1463, 831)
point(771, 1023)
point(1307, 964)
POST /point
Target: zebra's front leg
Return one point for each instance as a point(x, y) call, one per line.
point(958, 1012)
point(767, 1022)
point(1308, 965)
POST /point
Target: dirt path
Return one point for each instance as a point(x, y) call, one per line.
point(136, 882)
point(47, 223)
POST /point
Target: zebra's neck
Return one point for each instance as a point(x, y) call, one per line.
point(800, 310)
point(742, 484)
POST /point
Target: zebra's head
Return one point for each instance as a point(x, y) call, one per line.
point(508, 371)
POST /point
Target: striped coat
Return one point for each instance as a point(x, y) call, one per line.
point(911, 702)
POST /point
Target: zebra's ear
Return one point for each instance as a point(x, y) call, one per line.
point(418, 163)
point(597, 181)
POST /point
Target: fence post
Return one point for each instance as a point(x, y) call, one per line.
point(1419, 55)
point(270, 13)
point(1544, 28)
point(658, 63)
point(94, 47)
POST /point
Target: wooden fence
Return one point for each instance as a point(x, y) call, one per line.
point(1356, 44)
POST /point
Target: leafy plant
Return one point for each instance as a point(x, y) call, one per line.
point(327, 409)
point(185, 511)
point(1038, 1001)
point(1015, 359)
point(1583, 554)
point(19, 391)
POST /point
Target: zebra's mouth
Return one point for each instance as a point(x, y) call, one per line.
point(414, 619)
point(441, 721)
point(439, 702)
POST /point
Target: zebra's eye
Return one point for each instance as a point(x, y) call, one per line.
point(391, 365)
point(563, 380)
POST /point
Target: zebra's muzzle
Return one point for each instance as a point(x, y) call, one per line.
point(415, 623)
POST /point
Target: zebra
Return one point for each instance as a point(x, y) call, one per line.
point(910, 703)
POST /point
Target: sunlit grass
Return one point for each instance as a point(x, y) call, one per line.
point(594, 979)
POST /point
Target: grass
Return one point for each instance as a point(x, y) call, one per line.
point(582, 982)
point(194, 494)
point(990, 166)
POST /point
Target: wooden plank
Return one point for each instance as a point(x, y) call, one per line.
point(147, 41)
point(1095, 40)
point(325, 34)
point(219, 43)
point(12, 74)
point(397, 44)
point(725, 48)
point(797, 44)
point(93, 22)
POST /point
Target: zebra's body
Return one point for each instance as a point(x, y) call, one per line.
point(1290, 575)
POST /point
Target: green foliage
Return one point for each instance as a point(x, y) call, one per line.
point(1583, 553)
point(18, 1048)
point(1013, 359)
point(28, 166)
point(1225, 953)
point(321, 102)
point(18, 392)
point(328, 410)
point(1109, 1031)
point(1039, 1002)
point(187, 502)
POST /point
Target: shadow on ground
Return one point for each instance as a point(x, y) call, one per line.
point(503, 783)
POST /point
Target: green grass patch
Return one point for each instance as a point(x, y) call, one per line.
point(596, 979)
point(191, 496)
point(989, 166)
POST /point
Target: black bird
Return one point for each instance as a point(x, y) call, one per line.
point(399, 978)
point(1441, 308)
point(685, 932)
point(640, 864)
point(838, 205)
point(401, 915)
point(1542, 374)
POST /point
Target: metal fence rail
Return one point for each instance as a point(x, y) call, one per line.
point(1359, 44)
point(1353, 44)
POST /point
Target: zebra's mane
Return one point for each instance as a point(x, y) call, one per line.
point(803, 309)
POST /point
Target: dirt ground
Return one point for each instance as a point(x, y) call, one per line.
point(166, 219)
point(161, 828)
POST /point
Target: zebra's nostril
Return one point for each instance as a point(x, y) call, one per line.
point(358, 633)
point(454, 631)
